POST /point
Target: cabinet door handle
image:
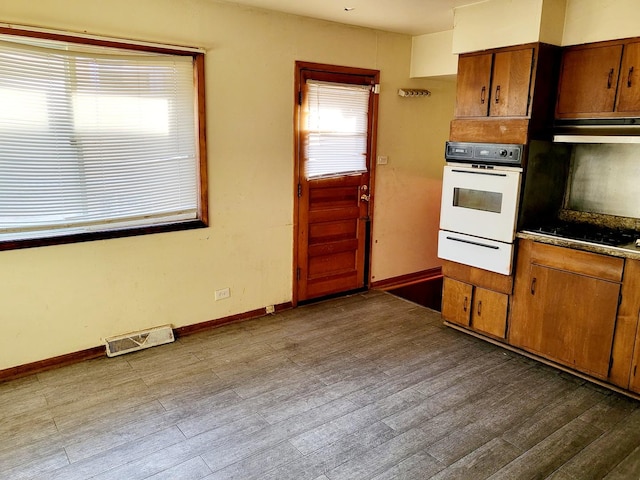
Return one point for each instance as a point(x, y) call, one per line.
point(483, 94)
point(464, 306)
point(629, 77)
point(479, 307)
point(498, 94)
point(610, 78)
point(533, 286)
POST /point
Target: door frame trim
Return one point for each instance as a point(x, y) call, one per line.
point(301, 66)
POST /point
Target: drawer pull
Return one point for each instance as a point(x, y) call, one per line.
point(464, 306)
point(533, 286)
point(610, 78)
point(478, 244)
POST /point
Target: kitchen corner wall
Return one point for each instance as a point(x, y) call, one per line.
point(61, 299)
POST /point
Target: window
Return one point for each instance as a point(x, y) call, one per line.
point(98, 139)
point(336, 123)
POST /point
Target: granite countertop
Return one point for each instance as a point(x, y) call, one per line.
point(625, 251)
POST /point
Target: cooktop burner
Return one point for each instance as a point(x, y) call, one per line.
point(588, 233)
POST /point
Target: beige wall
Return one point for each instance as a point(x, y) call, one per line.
point(431, 55)
point(597, 20)
point(61, 299)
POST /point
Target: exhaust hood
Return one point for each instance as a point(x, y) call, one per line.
point(601, 130)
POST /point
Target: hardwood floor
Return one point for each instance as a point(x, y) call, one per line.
point(365, 387)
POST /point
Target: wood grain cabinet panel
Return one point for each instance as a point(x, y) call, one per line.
point(478, 308)
point(627, 341)
point(629, 80)
point(473, 83)
point(588, 79)
point(489, 313)
point(511, 82)
point(600, 80)
point(456, 301)
point(564, 316)
point(494, 84)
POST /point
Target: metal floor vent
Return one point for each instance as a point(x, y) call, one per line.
point(134, 341)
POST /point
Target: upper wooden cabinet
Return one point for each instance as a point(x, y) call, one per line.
point(506, 95)
point(494, 84)
point(600, 80)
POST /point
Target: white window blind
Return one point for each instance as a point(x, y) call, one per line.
point(336, 124)
point(94, 138)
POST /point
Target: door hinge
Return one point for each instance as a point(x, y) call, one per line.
point(298, 273)
point(299, 190)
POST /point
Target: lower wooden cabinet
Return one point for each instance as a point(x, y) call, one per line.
point(627, 340)
point(475, 307)
point(565, 305)
point(574, 308)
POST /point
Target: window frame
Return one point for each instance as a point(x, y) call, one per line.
point(202, 218)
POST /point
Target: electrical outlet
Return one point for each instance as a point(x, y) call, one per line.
point(270, 309)
point(383, 159)
point(223, 293)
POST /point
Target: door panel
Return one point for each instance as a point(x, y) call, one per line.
point(511, 80)
point(490, 312)
point(334, 250)
point(472, 91)
point(629, 83)
point(332, 209)
point(588, 80)
point(456, 301)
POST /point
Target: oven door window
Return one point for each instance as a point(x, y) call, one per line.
point(477, 199)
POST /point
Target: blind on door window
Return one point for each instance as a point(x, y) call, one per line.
point(94, 138)
point(336, 124)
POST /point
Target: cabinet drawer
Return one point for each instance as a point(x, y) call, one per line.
point(577, 261)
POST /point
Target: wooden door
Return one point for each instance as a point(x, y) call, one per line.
point(456, 301)
point(568, 318)
point(333, 202)
point(629, 82)
point(512, 72)
point(473, 83)
point(489, 313)
point(588, 81)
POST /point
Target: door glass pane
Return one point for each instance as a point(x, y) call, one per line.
point(477, 200)
point(336, 125)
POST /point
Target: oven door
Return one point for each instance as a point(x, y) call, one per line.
point(479, 202)
point(476, 252)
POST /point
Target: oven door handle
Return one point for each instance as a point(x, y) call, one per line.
point(473, 172)
point(478, 244)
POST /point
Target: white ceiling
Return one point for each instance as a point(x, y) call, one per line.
point(412, 17)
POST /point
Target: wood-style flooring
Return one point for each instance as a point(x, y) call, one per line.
point(365, 387)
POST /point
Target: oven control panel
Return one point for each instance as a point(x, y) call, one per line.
point(485, 153)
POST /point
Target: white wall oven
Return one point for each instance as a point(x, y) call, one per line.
point(479, 210)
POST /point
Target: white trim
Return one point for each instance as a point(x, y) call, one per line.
point(123, 41)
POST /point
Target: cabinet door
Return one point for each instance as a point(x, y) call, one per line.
point(472, 90)
point(511, 81)
point(568, 318)
point(489, 313)
point(629, 82)
point(588, 81)
point(456, 301)
point(628, 326)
